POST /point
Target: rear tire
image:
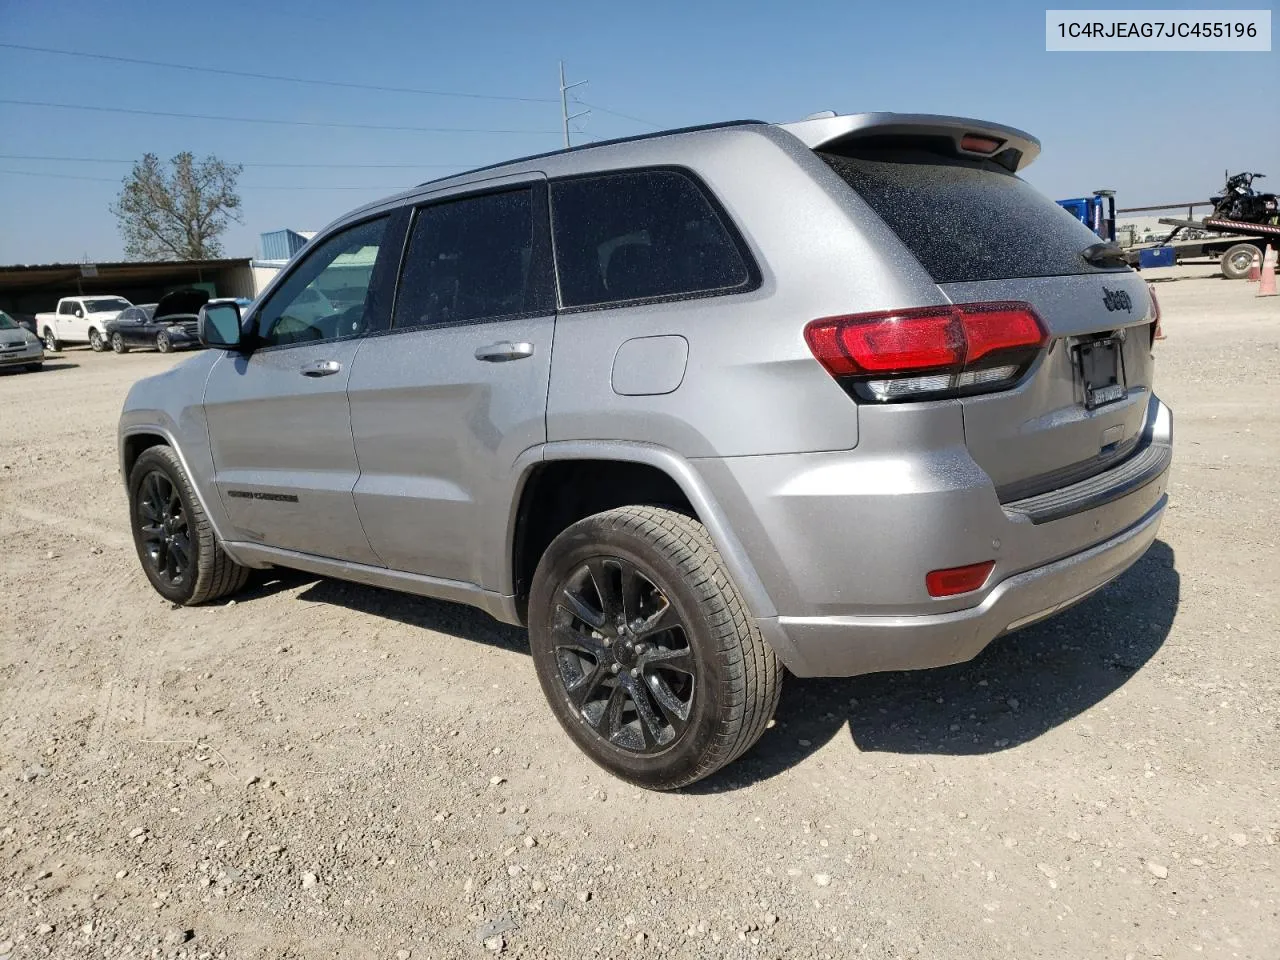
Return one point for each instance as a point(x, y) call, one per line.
point(96, 343)
point(50, 341)
point(676, 681)
point(176, 545)
point(163, 343)
point(117, 343)
point(1237, 261)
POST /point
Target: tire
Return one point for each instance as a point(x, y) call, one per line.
point(96, 343)
point(590, 669)
point(163, 343)
point(117, 343)
point(209, 573)
point(1237, 260)
point(35, 367)
point(50, 341)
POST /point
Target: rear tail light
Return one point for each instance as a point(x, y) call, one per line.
point(928, 352)
point(1156, 332)
point(956, 580)
point(977, 143)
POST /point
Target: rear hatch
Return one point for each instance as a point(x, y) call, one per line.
point(983, 234)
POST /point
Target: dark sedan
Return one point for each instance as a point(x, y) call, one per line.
point(167, 325)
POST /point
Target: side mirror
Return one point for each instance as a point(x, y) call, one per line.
point(79, 313)
point(218, 325)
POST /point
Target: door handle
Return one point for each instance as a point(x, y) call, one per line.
point(503, 351)
point(321, 368)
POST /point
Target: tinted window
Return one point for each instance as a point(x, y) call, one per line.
point(633, 236)
point(327, 295)
point(471, 259)
point(965, 220)
point(67, 306)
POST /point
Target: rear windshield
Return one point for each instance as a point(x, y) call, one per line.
point(964, 220)
point(102, 306)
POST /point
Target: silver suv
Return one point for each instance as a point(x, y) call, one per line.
point(839, 396)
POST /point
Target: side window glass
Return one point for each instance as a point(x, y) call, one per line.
point(66, 307)
point(640, 235)
point(326, 296)
point(471, 259)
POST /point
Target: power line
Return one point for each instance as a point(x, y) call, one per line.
point(266, 120)
point(615, 113)
point(397, 165)
point(386, 188)
point(137, 61)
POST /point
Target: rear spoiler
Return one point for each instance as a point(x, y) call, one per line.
point(1012, 148)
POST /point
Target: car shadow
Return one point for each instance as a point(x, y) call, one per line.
point(47, 366)
point(454, 619)
point(1020, 687)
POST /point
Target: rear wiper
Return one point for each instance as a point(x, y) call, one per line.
point(1105, 254)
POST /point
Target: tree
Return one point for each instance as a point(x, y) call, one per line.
point(177, 215)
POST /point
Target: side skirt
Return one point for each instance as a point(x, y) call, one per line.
point(498, 606)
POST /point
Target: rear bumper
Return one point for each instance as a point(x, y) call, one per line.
point(842, 542)
point(846, 646)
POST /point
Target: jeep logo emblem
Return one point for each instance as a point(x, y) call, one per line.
point(1117, 300)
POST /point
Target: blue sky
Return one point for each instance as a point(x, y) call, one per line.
point(1156, 127)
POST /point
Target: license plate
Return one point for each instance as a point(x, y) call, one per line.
point(1101, 371)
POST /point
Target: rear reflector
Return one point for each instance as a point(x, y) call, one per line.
point(928, 352)
point(955, 580)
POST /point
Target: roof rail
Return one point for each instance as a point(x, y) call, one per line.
point(599, 143)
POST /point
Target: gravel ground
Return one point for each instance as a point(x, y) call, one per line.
point(328, 770)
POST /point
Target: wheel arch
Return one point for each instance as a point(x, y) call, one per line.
point(541, 508)
point(137, 438)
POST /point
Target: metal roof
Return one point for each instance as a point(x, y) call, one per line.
point(21, 276)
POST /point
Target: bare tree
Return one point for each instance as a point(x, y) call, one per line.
point(180, 214)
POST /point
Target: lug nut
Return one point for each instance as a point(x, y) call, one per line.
point(614, 667)
point(635, 671)
point(608, 642)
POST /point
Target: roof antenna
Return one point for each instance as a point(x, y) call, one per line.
point(822, 115)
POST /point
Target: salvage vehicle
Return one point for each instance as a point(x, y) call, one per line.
point(80, 320)
point(168, 325)
point(834, 397)
point(18, 346)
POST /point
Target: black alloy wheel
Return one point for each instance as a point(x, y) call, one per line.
point(623, 657)
point(163, 530)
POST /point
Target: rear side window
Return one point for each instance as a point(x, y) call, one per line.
point(964, 220)
point(641, 235)
point(472, 259)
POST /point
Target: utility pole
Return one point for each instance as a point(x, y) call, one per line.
point(565, 116)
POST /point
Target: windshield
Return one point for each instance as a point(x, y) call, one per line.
point(6, 322)
point(109, 304)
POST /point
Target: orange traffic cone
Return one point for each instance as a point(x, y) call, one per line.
point(1255, 267)
point(1267, 287)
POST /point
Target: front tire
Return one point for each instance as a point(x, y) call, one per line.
point(96, 343)
point(163, 343)
point(50, 341)
point(175, 541)
point(35, 367)
point(117, 343)
point(644, 649)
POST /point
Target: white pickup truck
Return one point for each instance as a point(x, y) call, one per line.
point(79, 320)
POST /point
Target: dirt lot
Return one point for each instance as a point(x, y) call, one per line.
point(325, 770)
